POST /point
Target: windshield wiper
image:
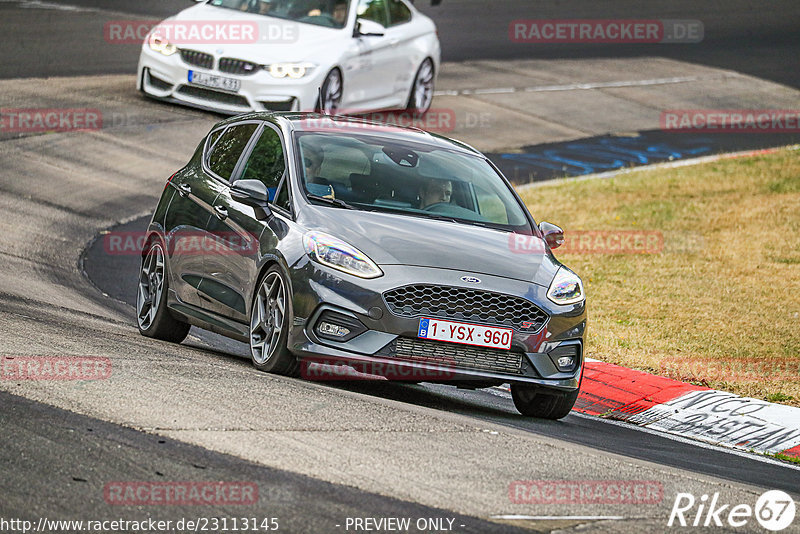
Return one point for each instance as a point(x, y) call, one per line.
point(332, 201)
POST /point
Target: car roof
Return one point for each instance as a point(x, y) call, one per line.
point(319, 123)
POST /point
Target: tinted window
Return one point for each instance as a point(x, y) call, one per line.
point(330, 13)
point(377, 173)
point(226, 152)
point(374, 10)
point(398, 12)
point(266, 161)
point(212, 138)
point(282, 200)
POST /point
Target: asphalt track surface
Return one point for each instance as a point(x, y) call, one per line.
point(65, 461)
point(116, 275)
point(746, 36)
point(62, 460)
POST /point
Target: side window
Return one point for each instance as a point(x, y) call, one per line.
point(282, 199)
point(212, 138)
point(226, 152)
point(398, 12)
point(266, 161)
point(374, 10)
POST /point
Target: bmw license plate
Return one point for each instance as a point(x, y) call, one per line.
point(215, 82)
point(468, 334)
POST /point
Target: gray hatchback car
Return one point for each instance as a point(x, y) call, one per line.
point(340, 248)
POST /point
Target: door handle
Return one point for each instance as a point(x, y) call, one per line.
point(221, 212)
point(184, 189)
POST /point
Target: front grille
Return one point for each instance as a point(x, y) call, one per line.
point(216, 96)
point(198, 59)
point(237, 66)
point(286, 105)
point(464, 304)
point(453, 355)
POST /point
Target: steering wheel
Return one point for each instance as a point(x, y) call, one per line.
point(436, 207)
point(315, 19)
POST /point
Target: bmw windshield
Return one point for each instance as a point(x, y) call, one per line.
point(329, 13)
point(376, 173)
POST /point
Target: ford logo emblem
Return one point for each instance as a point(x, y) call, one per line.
point(471, 279)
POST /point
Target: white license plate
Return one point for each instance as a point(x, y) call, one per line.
point(216, 82)
point(468, 334)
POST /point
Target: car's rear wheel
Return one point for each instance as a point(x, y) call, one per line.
point(535, 401)
point(269, 326)
point(331, 96)
point(152, 315)
point(419, 102)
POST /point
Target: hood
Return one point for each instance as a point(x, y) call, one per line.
point(390, 239)
point(277, 39)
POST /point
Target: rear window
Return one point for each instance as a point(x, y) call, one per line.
point(228, 149)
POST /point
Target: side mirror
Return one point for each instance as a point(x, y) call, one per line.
point(252, 193)
point(553, 235)
point(368, 28)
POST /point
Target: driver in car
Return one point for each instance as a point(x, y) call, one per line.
point(339, 13)
point(435, 191)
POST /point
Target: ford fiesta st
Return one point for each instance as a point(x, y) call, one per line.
point(235, 56)
point(344, 242)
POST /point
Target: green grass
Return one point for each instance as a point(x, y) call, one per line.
point(722, 298)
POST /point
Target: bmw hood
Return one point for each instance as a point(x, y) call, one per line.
point(256, 38)
point(390, 239)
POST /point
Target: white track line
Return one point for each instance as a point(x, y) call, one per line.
point(577, 86)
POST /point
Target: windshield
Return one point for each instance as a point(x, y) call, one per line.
point(330, 13)
point(376, 173)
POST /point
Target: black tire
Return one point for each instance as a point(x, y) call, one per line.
point(152, 316)
point(421, 95)
point(268, 349)
point(534, 401)
point(332, 90)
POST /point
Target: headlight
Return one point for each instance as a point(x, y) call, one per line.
point(161, 44)
point(566, 288)
point(337, 254)
point(292, 70)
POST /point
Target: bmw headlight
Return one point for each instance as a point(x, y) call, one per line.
point(159, 43)
point(292, 70)
point(566, 288)
point(335, 253)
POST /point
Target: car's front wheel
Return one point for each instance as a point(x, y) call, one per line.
point(269, 326)
point(535, 401)
point(419, 102)
point(331, 93)
point(152, 315)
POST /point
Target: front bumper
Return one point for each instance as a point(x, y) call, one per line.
point(166, 78)
point(390, 347)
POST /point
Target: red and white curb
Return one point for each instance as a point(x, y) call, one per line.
point(694, 412)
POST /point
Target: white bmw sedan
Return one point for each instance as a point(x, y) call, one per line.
point(345, 56)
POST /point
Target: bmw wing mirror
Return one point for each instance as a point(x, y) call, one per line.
point(368, 28)
point(553, 235)
point(253, 193)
